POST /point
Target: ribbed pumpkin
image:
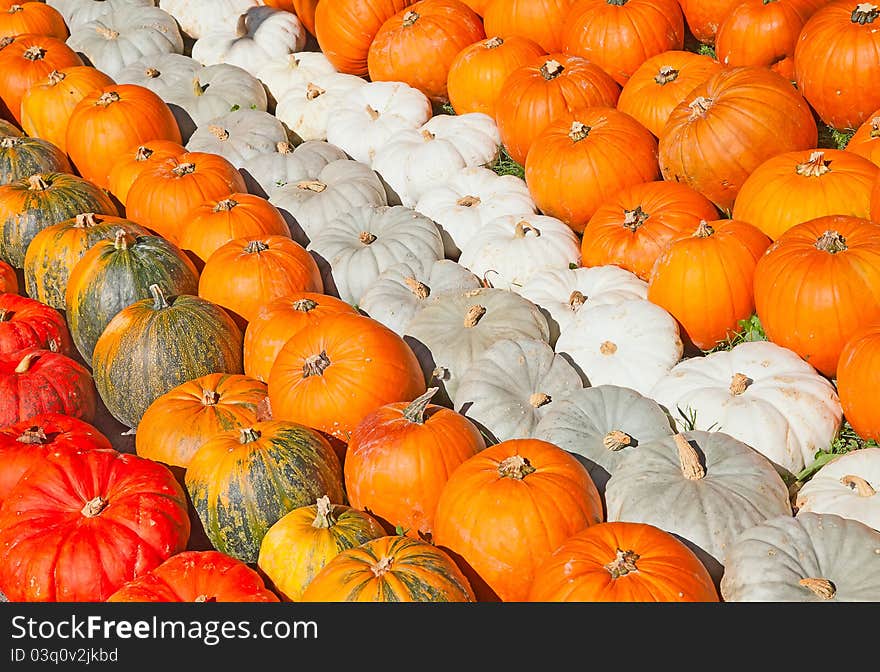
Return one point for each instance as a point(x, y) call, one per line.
point(55, 251)
point(622, 562)
point(178, 422)
point(114, 273)
point(32, 204)
point(109, 121)
point(301, 542)
point(819, 283)
point(704, 17)
point(662, 82)
point(506, 509)
point(128, 166)
point(728, 126)
point(574, 167)
point(278, 321)
point(243, 481)
point(22, 157)
point(619, 35)
point(7, 128)
point(477, 73)
point(28, 323)
point(154, 345)
point(857, 372)
point(46, 106)
point(400, 457)
point(8, 279)
point(795, 187)
point(864, 141)
point(304, 10)
point(633, 227)
point(36, 18)
point(390, 569)
point(705, 280)
point(539, 20)
point(548, 89)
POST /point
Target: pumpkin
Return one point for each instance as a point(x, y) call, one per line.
point(244, 480)
point(197, 576)
point(34, 381)
point(29, 323)
point(660, 83)
point(32, 18)
point(331, 376)
point(441, 28)
point(704, 17)
point(245, 273)
point(506, 509)
point(128, 166)
point(304, 9)
point(401, 456)
point(548, 89)
point(705, 280)
point(855, 370)
point(153, 345)
point(620, 35)
point(29, 205)
point(815, 286)
point(178, 422)
point(574, 166)
point(622, 562)
point(21, 157)
point(279, 74)
point(8, 279)
point(114, 273)
point(346, 28)
point(301, 542)
point(305, 106)
point(84, 522)
point(478, 71)
point(7, 129)
point(46, 106)
point(728, 126)
point(115, 118)
point(864, 141)
point(660, 482)
point(26, 60)
point(539, 20)
point(809, 558)
point(219, 221)
point(238, 135)
point(163, 194)
point(197, 18)
point(479, 6)
point(278, 321)
point(390, 569)
point(78, 12)
point(266, 173)
point(512, 385)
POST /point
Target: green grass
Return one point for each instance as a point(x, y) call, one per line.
point(846, 441)
point(749, 330)
point(831, 138)
point(507, 166)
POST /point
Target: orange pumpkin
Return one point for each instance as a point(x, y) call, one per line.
point(623, 562)
point(128, 166)
point(304, 9)
point(704, 17)
point(8, 279)
point(479, 6)
point(857, 371)
point(866, 140)
point(34, 18)
point(539, 20)
point(819, 283)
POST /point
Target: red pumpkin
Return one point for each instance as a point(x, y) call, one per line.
point(541, 21)
point(34, 18)
point(28, 323)
point(704, 17)
point(128, 166)
point(858, 370)
point(8, 279)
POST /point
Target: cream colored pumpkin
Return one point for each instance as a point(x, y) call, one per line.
point(267, 172)
point(78, 12)
point(238, 135)
point(279, 74)
point(305, 105)
point(198, 17)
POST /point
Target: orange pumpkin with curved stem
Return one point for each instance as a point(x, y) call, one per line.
point(8, 279)
point(705, 281)
point(866, 140)
point(32, 18)
point(857, 371)
point(128, 166)
point(819, 283)
point(634, 226)
point(400, 457)
point(539, 20)
point(704, 17)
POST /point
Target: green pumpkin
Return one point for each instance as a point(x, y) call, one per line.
point(8, 129)
point(116, 272)
point(22, 156)
point(156, 344)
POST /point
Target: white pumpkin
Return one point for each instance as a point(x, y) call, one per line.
point(374, 114)
point(305, 106)
point(404, 289)
point(630, 344)
point(267, 172)
point(562, 292)
point(78, 12)
point(511, 249)
point(238, 135)
point(512, 385)
point(279, 74)
point(259, 35)
point(415, 160)
point(197, 17)
point(471, 198)
point(353, 249)
point(760, 393)
point(846, 486)
point(117, 39)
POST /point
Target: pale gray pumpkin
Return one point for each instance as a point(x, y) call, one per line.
point(704, 487)
point(310, 204)
point(811, 558)
point(197, 17)
point(600, 425)
point(509, 388)
point(304, 107)
point(404, 289)
point(238, 135)
point(280, 74)
point(78, 12)
point(267, 172)
point(353, 249)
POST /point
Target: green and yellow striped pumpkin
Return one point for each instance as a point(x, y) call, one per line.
point(241, 482)
point(8, 129)
point(22, 156)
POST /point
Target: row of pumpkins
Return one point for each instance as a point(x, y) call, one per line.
point(368, 367)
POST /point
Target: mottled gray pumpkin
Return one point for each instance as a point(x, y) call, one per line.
point(21, 157)
point(238, 135)
point(267, 172)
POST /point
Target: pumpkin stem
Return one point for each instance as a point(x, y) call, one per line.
point(248, 434)
point(6, 41)
point(84, 220)
point(241, 26)
point(831, 242)
point(875, 128)
point(468, 201)
point(184, 169)
point(821, 587)
point(56, 77)
point(415, 411)
point(25, 363)
point(473, 316)
point(33, 436)
point(617, 3)
point(312, 185)
point(313, 91)
point(324, 518)
point(739, 383)
point(578, 131)
point(5, 314)
point(9, 142)
point(218, 132)
point(304, 305)
point(159, 300)
point(410, 18)
point(815, 166)
point(255, 247)
point(576, 299)
point(523, 227)
point(367, 238)
point(153, 73)
point(108, 98)
point(143, 153)
point(624, 561)
point(689, 459)
point(199, 88)
point(15, 8)
point(204, 598)
point(539, 399)
point(665, 75)
point(551, 69)
point(34, 53)
point(374, 113)
point(381, 567)
point(37, 183)
point(225, 205)
point(699, 106)
point(427, 135)
point(633, 219)
point(210, 397)
point(93, 507)
point(516, 467)
point(608, 348)
point(106, 33)
point(704, 230)
point(122, 239)
point(616, 440)
point(284, 147)
point(493, 42)
point(859, 484)
point(864, 13)
point(316, 364)
point(420, 289)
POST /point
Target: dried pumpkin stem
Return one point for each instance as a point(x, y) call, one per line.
point(24, 364)
point(579, 131)
point(184, 169)
point(523, 227)
point(468, 201)
point(739, 383)
point(831, 242)
point(218, 132)
point(159, 300)
point(152, 73)
point(108, 98)
point(493, 42)
point(608, 348)
point(665, 75)
point(815, 166)
point(617, 3)
point(15, 8)
point(623, 564)
point(256, 247)
point(107, 33)
point(204, 598)
point(410, 18)
point(699, 107)
point(864, 13)
point(241, 26)
point(374, 113)
point(859, 484)
point(324, 518)
point(576, 299)
point(473, 316)
point(143, 153)
point(633, 219)
point(367, 238)
point(122, 239)
point(875, 128)
point(415, 411)
point(316, 364)
point(516, 467)
point(5, 315)
point(689, 459)
point(33, 436)
point(85, 220)
point(539, 399)
point(704, 230)
point(9, 142)
point(37, 183)
point(199, 88)
point(6, 41)
point(34, 53)
point(821, 587)
point(312, 185)
point(551, 69)
point(93, 507)
point(225, 205)
point(249, 434)
point(304, 305)
point(284, 147)
point(210, 397)
point(56, 77)
point(383, 566)
point(616, 440)
point(420, 289)
point(313, 91)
